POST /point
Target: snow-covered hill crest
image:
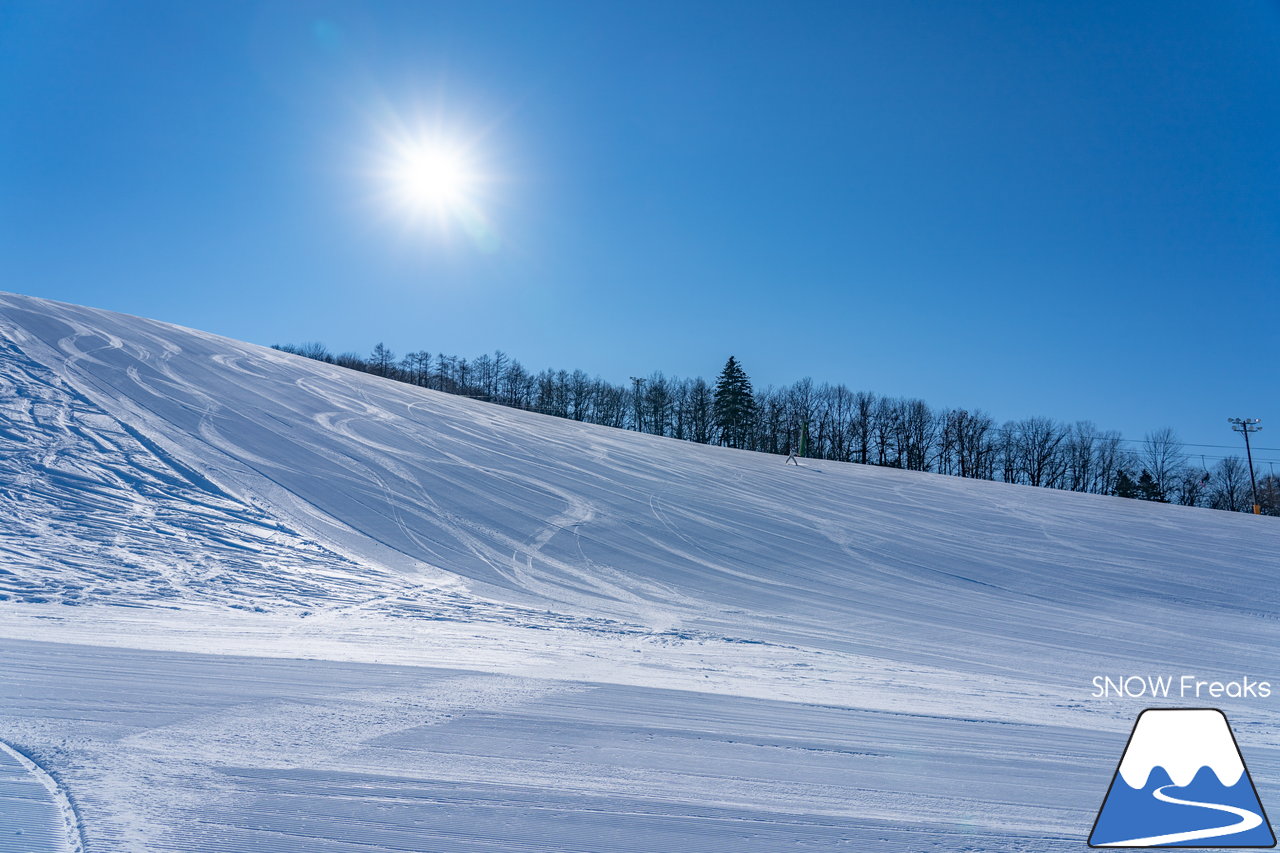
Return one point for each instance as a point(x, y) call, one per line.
point(156, 466)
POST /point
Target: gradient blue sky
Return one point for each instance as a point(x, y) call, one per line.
point(1068, 209)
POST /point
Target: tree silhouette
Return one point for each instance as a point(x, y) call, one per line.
point(735, 405)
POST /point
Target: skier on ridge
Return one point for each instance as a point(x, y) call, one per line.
point(804, 439)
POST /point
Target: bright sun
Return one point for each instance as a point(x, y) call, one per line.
point(436, 180)
point(433, 177)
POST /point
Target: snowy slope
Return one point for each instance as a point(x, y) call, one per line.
point(188, 493)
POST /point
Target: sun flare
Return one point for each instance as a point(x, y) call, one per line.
point(432, 176)
point(436, 183)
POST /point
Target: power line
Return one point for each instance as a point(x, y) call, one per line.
point(1104, 437)
point(1192, 444)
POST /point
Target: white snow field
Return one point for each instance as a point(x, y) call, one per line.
point(254, 602)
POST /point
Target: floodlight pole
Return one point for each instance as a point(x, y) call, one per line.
point(1246, 426)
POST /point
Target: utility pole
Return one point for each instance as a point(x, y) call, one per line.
point(1246, 426)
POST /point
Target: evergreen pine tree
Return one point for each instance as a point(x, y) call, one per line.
point(1149, 489)
point(734, 405)
point(1125, 487)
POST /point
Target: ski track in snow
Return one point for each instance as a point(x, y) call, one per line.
point(178, 752)
point(37, 814)
point(526, 633)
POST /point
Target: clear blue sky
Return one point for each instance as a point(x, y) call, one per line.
point(1068, 209)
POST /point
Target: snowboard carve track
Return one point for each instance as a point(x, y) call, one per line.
point(66, 808)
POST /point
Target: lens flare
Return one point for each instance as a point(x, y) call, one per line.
point(430, 174)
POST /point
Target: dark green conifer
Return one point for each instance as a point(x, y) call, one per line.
point(1125, 487)
point(734, 404)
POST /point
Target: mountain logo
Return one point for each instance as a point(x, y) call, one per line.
point(1181, 782)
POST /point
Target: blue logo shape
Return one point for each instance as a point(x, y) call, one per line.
point(1182, 782)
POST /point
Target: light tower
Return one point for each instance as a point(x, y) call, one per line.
point(1246, 426)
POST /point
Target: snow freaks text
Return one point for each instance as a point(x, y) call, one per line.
point(1178, 686)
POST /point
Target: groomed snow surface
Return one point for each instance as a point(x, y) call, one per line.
point(254, 602)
